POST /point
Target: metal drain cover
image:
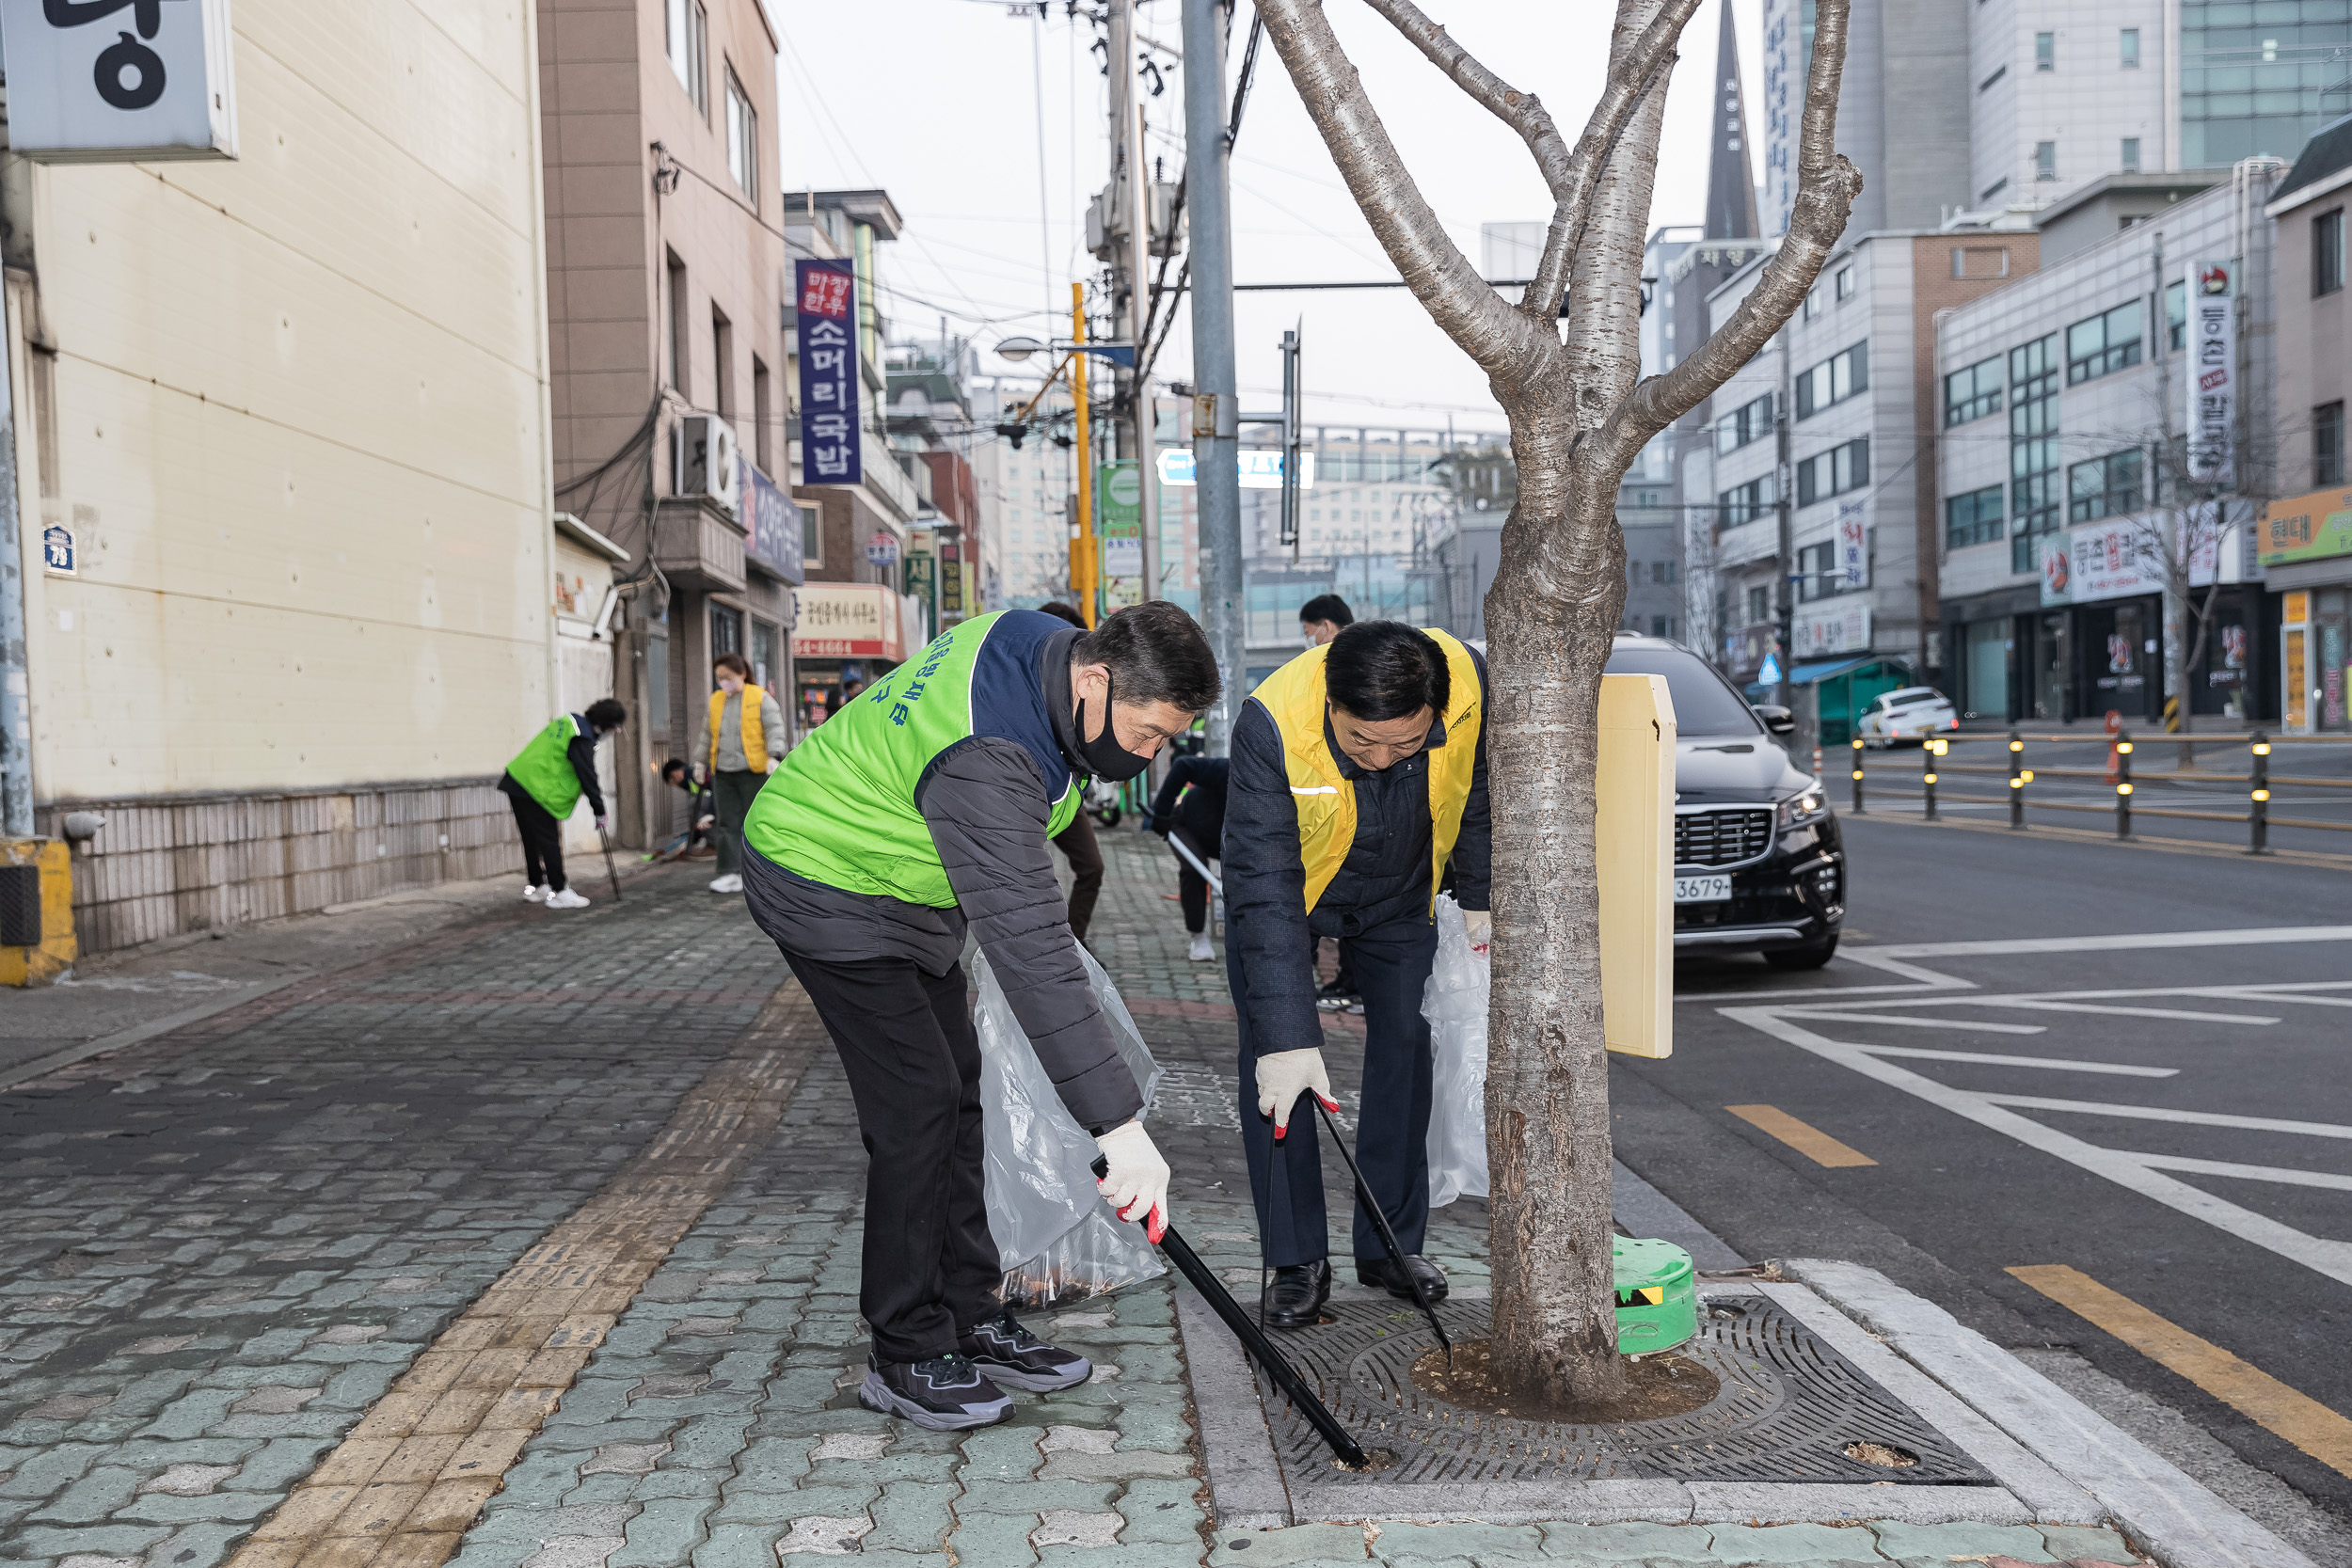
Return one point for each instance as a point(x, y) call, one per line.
point(1789, 1407)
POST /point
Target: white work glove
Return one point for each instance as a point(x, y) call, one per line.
point(1137, 1179)
point(600, 824)
point(1481, 924)
point(1285, 1075)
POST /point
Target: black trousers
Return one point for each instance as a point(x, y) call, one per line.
point(906, 1041)
point(1192, 887)
point(543, 841)
point(1077, 842)
point(1392, 965)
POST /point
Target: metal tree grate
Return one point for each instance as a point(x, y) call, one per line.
point(1789, 1407)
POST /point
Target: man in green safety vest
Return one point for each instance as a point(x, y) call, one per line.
point(545, 781)
point(920, 808)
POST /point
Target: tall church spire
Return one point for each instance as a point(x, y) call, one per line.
point(1730, 178)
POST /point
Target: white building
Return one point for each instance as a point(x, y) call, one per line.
point(2064, 93)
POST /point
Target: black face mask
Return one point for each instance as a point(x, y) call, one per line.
point(1105, 757)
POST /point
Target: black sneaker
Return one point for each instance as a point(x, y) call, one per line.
point(1012, 1355)
point(945, 1393)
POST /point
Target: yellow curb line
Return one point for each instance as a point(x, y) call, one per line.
point(1805, 1138)
point(2247, 1388)
point(407, 1482)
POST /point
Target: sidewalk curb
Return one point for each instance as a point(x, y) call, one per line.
point(41, 1067)
point(2163, 1510)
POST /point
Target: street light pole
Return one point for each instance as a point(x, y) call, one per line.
point(1216, 409)
point(1134, 260)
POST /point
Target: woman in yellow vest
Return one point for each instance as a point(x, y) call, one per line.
point(735, 750)
point(1358, 773)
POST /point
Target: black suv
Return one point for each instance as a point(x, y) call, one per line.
point(1759, 864)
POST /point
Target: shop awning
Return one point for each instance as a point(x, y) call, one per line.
point(1822, 670)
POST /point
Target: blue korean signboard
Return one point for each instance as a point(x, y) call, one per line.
point(829, 450)
point(772, 521)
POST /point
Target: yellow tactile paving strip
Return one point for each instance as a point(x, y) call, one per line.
point(404, 1487)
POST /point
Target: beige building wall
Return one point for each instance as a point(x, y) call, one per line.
point(294, 408)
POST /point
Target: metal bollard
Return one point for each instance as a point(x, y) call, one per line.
point(2124, 784)
point(1928, 752)
point(2018, 774)
point(2258, 810)
point(1857, 776)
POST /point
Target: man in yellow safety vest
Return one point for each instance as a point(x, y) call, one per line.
point(1358, 773)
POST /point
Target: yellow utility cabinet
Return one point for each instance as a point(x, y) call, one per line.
point(36, 912)
point(1634, 832)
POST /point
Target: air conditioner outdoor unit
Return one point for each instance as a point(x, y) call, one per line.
point(706, 459)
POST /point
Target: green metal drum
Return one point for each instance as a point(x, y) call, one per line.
point(1658, 1299)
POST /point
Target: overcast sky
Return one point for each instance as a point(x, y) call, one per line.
point(961, 110)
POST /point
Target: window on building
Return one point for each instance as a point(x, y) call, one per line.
point(1986, 85)
point(674, 272)
point(1745, 503)
point(1973, 393)
point(1759, 606)
point(763, 415)
point(1980, 260)
point(1833, 380)
point(1661, 626)
point(1833, 472)
point(1750, 422)
point(2045, 50)
point(721, 363)
point(1845, 282)
point(688, 37)
point(2130, 162)
point(2033, 463)
point(1813, 303)
point(2176, 316)
point(2130, 45)
point(2105, 343)
point(1984, 196)
point(1974, 518)
point(2046, 160)
point(742, 140)
point(727, 630)
point(1664, 571)
point(2328, 252)
point(812, 532)
point(2103, 487)
point(1818, 576)
point(2327, 445)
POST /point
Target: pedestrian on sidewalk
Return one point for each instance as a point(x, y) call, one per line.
point(736, 747)
point(1358, 770)
point(545, 781)
point(910, 814)
point(1191, 807)
point(1321, 619)
point(699, 817)
point(1077, 842)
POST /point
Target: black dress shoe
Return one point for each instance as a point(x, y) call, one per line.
point(1298, 1292)
point(1381, 1271)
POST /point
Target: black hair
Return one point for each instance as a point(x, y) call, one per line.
point(1382, 670)
point(1156, 654)
point(606, 714)
point(1061, 612)
point(1326, 606)
point(676, 765)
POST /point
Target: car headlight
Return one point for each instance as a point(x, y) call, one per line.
point(1809, 805)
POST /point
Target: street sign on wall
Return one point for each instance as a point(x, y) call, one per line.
point(826, 293)
point(773, 521)
point(847, 619)
point(2212, 374)
point(116, 81)
point(2307, 528)
point(1853, 542)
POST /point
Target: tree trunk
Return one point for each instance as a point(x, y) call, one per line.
point(1547, 1140)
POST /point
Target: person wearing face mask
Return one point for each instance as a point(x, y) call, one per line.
point(736, 748)
point(918, 810)
point(1359, 771)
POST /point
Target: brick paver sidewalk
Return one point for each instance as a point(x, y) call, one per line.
point(228, 1247)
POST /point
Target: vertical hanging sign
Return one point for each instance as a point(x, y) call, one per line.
point(116, 81)
point(2212, 375)
point(829, 448)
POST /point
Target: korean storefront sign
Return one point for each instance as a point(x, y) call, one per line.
point(116, 81)
point(831, 453)
point(2307, 528)
point(1119, 501)
point(1824, 629)
point(2124, 557)
point(1854, 544)
point(775, 523)
point(846, 620)
point(2212, 374)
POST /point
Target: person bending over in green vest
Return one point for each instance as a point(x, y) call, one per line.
point(921, 808)
point(545, 781)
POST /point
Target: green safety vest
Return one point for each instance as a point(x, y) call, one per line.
point(841, 808)
point(544, 768)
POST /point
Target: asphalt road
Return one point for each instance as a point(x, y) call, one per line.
point(2173, 1120)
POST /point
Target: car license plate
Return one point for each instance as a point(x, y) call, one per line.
point(1713, 888)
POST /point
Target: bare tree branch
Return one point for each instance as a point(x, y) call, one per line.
point(1570, 174)
point(1604, 337)
point(1488, 329)
point(1827, 185)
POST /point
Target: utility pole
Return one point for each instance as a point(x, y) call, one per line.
point(1085, 579)
point(1216, 409)
point(1130, 262)
point(16, 726)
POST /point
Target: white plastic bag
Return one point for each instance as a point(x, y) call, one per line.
point(1056, 1237)
point(1455, 1003)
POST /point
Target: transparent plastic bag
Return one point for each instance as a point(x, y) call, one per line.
point(1455, 1003)
point(1055, 1238)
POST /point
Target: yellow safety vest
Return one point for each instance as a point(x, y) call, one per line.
point(1294, 698)
point(755, 738)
